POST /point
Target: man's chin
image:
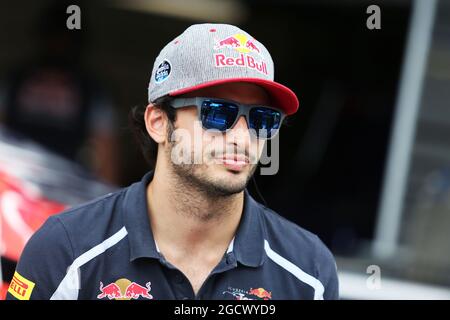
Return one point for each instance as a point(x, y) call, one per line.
point(225, 188)
point(216, 179)
point(229, 180)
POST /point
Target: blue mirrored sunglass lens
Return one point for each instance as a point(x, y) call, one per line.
point(218, 115)
point(264, 121)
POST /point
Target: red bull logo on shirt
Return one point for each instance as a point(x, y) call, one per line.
point(252, 294)
point(242, 44)
point(124, 289)
point(261, 293)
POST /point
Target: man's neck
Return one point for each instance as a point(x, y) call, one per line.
point(190, 222)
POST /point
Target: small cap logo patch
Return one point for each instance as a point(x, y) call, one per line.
point(163, 72)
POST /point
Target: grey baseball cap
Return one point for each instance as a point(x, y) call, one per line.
point(208, 54)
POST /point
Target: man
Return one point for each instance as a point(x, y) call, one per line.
point(189, 229)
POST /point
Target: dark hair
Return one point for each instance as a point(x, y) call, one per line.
point(136, 122)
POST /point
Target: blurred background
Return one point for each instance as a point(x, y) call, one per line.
point(364, 164)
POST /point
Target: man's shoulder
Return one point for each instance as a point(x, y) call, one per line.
point(301, 253)
point(277, 225)
point(92, 207)
point(292, 241)
point(63, 238)
point(89, 223)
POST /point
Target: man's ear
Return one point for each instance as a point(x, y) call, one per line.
point(156, 123)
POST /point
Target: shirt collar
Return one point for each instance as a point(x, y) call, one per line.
point(247, 245)
point(137, 222)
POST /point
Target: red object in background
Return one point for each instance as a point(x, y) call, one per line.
point(22, 211)
point(3, 290)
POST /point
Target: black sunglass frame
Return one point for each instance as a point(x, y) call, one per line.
point(243, 110)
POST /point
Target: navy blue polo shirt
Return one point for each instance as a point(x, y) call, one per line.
point(104, 249)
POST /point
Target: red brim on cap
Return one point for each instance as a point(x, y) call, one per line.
point(282, 97)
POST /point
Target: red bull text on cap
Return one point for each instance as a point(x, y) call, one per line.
point(210, 54)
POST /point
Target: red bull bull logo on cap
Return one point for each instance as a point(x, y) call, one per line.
point(242, 44)
point(239, 42)
point(124, 289)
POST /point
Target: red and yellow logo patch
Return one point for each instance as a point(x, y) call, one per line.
point(124, 289)
point(20, 287)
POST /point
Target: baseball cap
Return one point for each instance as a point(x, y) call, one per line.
point(210, 54)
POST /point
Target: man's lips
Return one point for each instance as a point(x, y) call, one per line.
point(234, 162)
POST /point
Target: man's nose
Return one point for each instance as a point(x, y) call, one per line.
point(239, 134)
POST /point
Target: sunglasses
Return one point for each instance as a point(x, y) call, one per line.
point(263, 122)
